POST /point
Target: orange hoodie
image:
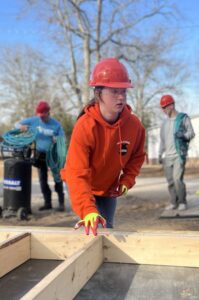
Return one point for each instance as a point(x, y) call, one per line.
point(101, 156)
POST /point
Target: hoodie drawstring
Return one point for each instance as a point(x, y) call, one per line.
point(106, 145)
point(120, 144)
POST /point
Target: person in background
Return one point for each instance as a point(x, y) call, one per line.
point(106, 150)
point(48, 129)
point(175, 134)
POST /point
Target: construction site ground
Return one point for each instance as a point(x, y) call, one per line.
point(140, 210)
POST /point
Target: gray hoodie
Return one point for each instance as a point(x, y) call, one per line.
point(168, 138)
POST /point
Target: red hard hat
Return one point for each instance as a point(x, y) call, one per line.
point(42, 108)
point(166, 100)
point(110, 72)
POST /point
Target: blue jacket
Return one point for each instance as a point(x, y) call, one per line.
point(45, 131)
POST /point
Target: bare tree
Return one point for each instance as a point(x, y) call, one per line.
point(155, 70)
point(23, 80)
point(89, 30)
point(84, 31)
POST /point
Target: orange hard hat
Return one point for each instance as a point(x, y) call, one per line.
point(42, 108)
point(166, 100)
point(110, 72)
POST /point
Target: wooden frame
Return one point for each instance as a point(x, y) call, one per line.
point(82, 255)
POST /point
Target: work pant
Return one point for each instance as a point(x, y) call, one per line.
point(174, 172)
point(45, 189)
point(106, 207)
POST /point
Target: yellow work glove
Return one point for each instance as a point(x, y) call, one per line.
point(121, 190)
point(124, 189)
point(92, 221)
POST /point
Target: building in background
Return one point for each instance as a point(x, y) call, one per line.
point(153, 135)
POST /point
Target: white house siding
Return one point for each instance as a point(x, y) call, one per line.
point(154, 141)
point(194, 145)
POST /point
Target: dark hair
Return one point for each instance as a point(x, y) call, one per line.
point(91, 102)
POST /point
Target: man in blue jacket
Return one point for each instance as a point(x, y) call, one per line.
point(175, 134)
point(48, 129)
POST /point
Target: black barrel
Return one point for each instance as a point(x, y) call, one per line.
point(17, 184)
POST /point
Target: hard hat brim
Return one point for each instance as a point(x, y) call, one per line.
point(119, 85)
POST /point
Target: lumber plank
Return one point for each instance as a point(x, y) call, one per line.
point(51, 242)
point(13, 252)
point(31, 229)
point(169, 248)
point(67, 279)
point(52, 245)
point(6, 235)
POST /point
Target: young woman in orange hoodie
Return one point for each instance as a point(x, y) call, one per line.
point(106, 150)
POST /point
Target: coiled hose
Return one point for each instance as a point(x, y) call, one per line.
point(56, 157)
point(18, 139)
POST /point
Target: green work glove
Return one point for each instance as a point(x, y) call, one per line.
point(92, 221)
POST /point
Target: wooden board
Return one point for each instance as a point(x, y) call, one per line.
point(69, 277)
point(6, 235)
point(56, 244)
point(14, 252)
point(82, 255)
point(155, 248)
